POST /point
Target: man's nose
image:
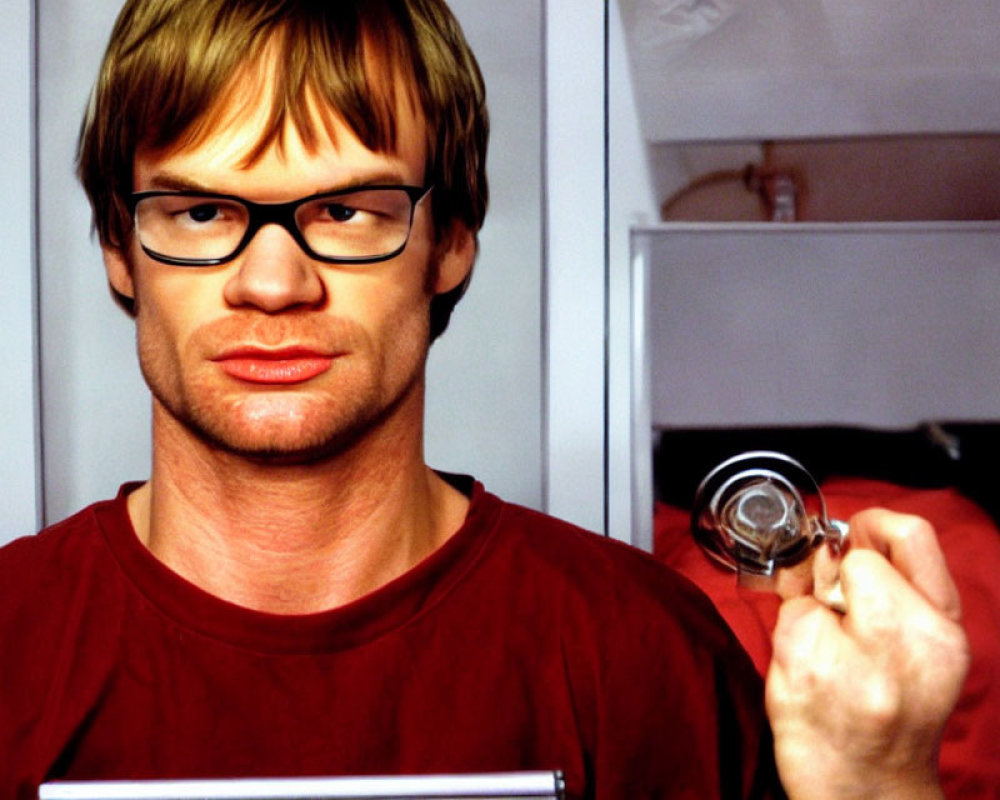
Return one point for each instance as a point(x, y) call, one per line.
point(274, 274)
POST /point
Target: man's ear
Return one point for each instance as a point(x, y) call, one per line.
point(119, 272)
point(456, 253)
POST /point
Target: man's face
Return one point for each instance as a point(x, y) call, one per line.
point(274, 354)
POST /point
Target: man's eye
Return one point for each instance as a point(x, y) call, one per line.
point(340, 213)
point(205, 212)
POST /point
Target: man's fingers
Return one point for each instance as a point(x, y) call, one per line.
point(911, 546)
point(865, 693)
point(804, 631)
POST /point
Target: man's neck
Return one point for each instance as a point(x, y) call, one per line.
point(293, 539)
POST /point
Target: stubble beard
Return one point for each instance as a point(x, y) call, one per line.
point(286, 425)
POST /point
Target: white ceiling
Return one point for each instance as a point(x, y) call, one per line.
point(751, 69)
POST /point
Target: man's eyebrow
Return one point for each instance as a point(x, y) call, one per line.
point(384, 178)
point(170, 182)
point(166, 181)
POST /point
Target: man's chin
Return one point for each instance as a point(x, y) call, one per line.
point(266, 451)
point(281, 440)
point(285, 428)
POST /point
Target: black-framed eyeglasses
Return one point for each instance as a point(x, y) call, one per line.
point(360, 225)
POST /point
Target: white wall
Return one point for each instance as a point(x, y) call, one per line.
point(94, 408)
point(484, 402)
point(18, 399)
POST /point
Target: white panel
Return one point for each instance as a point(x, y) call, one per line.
point(484, 398)
point(640, 472)
point(575, 259)
point(18, 400)
point(632, 202)
point(881, 324)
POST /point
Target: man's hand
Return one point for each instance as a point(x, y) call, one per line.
point(857, 700)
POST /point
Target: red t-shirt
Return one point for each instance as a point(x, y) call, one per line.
point(970, 751)
point(522, 643)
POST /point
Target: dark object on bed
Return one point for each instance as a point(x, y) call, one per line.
point(933, 455)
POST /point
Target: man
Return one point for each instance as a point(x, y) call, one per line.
point(287, 196)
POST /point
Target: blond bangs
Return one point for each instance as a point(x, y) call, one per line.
point(312, 86)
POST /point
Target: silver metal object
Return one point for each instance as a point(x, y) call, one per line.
point(762, 511)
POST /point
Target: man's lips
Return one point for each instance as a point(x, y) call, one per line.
point(283, 367)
